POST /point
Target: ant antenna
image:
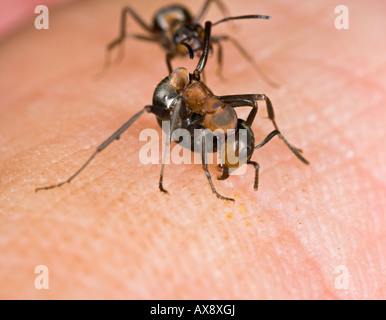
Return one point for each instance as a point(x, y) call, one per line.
point(251, 16)
point(208, 27)
point(242, 50)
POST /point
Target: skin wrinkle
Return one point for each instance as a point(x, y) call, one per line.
point(112, 234)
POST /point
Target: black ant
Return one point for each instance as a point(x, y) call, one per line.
point(179, 33)
point(184, 101)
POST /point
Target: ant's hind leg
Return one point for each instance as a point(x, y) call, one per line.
point(243, 100)
point(115, 136)
point(225, 173)
point(256, 166)
point(271, 116)
point(169, 58)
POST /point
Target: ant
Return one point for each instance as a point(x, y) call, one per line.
point(179, 33)
point(184, 101)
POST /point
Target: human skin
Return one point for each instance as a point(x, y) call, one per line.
point(111, 234)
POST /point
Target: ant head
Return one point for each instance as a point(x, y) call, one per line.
point(191, 36)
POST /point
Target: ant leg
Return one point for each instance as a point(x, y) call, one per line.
point(294, 150)
point(173, 123)
point(271, 116)
point(244, 53)
point(205, 167)
point(203, 10)
point(256, 165)
point(267, 138)
point(123, 35)
point(169, 57)
point(219, 59)
point(268, 103)
point(111, 45)
point(225, 173)
point(125, 11)
point(242, 101)
point(250, 100)
point(115, 136)
point(121, 51)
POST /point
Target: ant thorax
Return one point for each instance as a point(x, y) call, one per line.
point(192, 34)
point(217, 115)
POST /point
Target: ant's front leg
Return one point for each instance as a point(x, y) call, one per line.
point(169, 57)
point(123, 34)
point(203, 10)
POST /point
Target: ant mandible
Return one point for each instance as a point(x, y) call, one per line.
point(179, 33)
point(184, 101)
